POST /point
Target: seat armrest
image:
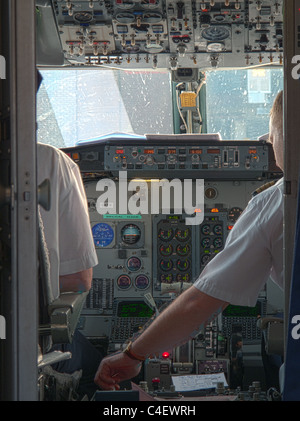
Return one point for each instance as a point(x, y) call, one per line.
point(64, 314)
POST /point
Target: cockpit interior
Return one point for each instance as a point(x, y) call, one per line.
point(164, 108)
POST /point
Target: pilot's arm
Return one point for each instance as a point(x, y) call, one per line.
point(234, 276)
point(174, 326)
point(67, 226)
point(76, 282)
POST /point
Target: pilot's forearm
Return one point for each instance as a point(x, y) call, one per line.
point(178, 322)
point(76, 282)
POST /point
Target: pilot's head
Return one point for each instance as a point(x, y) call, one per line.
point(276, 129)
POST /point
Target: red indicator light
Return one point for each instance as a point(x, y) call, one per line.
point(215, 210)
point(230, 227)
point(119, 151)
point(165, 355)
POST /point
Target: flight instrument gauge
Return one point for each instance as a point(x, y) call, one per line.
point(182, 234)
point(103, 235)
point(130, 234)
point(165, 234)
point(134, 264)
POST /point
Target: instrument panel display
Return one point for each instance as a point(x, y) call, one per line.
point(134, 309)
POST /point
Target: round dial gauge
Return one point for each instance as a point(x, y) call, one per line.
point(166, 265)
point(134, 264)
point(218, 243)
point(165, 235)
point(166, 250)
point(183, 250)
point(205, 229)
point(103, 235)
point(141, 282)
point(123, 282)
point(183, 265)
point(182, 234)
point(130, 234)
point(215, 33)
point(211, 193)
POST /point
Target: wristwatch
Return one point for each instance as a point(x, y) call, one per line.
point(128, 351)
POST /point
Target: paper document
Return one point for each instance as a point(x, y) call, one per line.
point(198, 381)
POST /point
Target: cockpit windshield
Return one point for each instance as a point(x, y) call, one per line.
point(76, 105)
point(84, 104)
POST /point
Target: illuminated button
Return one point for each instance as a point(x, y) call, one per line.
point(75, 156)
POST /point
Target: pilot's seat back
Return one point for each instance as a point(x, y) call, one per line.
point(59, 317)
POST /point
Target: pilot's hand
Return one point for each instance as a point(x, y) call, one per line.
point(114, 369)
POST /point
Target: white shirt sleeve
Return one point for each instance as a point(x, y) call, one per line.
point(76, 246)
point(67, 226)
point(253, 251)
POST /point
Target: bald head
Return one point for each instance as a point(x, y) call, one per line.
point(276, 129)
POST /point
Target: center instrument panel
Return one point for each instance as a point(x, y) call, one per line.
point(146, 259)
point(160, 33)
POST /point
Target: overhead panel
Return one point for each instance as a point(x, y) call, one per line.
point(170, 34)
